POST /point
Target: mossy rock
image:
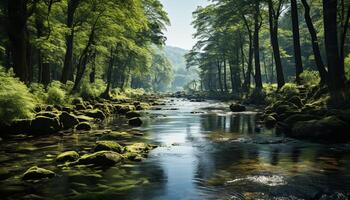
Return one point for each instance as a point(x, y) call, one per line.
point(17, 126)
point(132, 114)
point(80, 107)
point(77, 101)
point(330, 128)
point(123, 110)
point(101, 158)
point(237, 108)
point(36, 173)
point(45, 125)
point(136, 103)
point(116, 136)
point(296, 101)
point(68, 120)
point(67, 156)
point(139, 148)
point(291, 120)
point(83, 126)
point(96, 113)
point(106, 145)
point(270, 121)
point(136, 121)
point(47, 114)
point(83, 118)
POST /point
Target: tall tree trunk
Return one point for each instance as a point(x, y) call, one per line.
point(225, 74)
point(258, 81)
point(343, 36)
point(315, 45)
point(296, 41)
point(67, 70)
point(17, 22)
point(219, 76)
point(336, 72)
point(109, 75)
point(46, 73)
point(273, 22)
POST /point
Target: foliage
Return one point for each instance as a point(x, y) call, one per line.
point(91, 91)
point(309, 77)
point(347, 67)
point(289, 89)
point(16, 102)
point(55, 94)
point(39, 92)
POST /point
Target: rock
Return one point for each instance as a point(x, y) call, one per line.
point(136, 103)
point(89, 107)
point(136, 121)
point(116, 136)
point(108, 146)
point(132, 114)
point(96, 113)
point(123, 110)
point(68, 120)
point(17, 126)
point(101, 158)
point(36, 173)
point(291, 120)
point(80, 107)
point(283, 108)
point(67, 109)
point(83, 126)
point(138, 107)
point(237, 108)
point(49, 108)
point(270, 121)
point(296, 101)
point(45, 125)
point(47, 114)
point(329, 128)
point(139, 148)
point(77, 101)
point(67, 156)
point(83, 118)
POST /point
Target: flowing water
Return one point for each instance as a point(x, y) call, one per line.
point(205, 152)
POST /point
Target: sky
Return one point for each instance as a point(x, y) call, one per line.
point(179, 34)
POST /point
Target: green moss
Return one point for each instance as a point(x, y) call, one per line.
point(108, 146)
point(67, 156)
point(36, 173)
point(101, 158)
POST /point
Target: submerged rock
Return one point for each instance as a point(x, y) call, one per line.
point(47, 114)
point(45, 125)
point(139, 148)
point(101, 158)
point(83, 118)
point(329, 128)
point(68, 120)
point(96, 113)
point(237, 108)
point(67, 156)
point(132, 114)
point(136, 121)
point(83, 126)
point(108, 146)
point(116, 136)
point(270, 121)
point(36, 173)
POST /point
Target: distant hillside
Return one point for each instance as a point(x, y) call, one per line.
point(181, 75)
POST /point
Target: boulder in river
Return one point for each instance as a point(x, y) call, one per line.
point(132, 114)
point(83, 126)
point(136, 121)
point(270, 121)
point(67, 156)
point(330, 128)
point(237, 108)
point(108, 146)
point(96, 113)
point(101, 158)
point(37, 173)
point(45, 125)
point(68, 120)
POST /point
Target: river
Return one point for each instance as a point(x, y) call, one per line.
point(205, 152)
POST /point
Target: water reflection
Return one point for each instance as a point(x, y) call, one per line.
point(212, 155)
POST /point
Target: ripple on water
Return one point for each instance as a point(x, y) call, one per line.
point(268, 180)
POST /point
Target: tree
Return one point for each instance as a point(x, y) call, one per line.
point(296, 40)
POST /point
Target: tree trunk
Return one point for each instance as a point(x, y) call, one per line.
point(343, 36)
point(109, 76)
point(17, 21)
point(336, 72)
point(273, 22)
point(219, 76)
point(46, 74)
point(67, 70)
point(314, 41)
point(225, 74)
point(250, 66)
point(296, 41)
point(258, 81)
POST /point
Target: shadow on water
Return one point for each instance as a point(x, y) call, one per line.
point(206, 152)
